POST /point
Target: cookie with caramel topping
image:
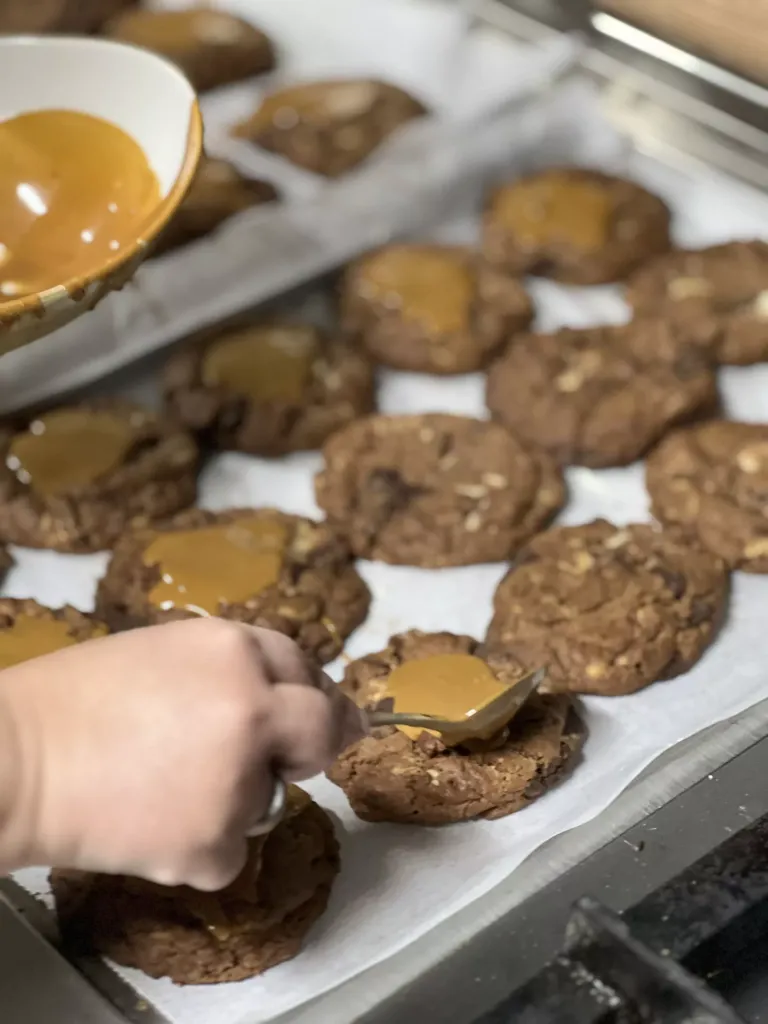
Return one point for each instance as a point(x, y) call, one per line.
point(411, 776)
point(20, 17)
point(211, 47)
point(709, 483)
point(602, 396)
point(329, 127)
point(259, 566)
point(431, 308)
point(723, 289)
point(269, 388)
point(218, 192)
point(30, 630)
point(436, 490)
point(195, 938)
point(75, 478)
point(609, 609)
point(573, 225)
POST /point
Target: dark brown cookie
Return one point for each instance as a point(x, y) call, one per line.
point(435, 490)
point(269, 388)
point(29, 630)
point(329, 127)
point(258, 566)
point(609, 609)
point(211, 47)
point(724, 288)
point(603, 395)
point(431, 308)
point(196, 938)
point(218, 192)
point(710, 484)
point(76, 478)
point(413, 777)
point(73, 16)
point(573, 225)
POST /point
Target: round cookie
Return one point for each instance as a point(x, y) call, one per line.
point(410, 775)
point(195, 938)
point(602, 396)
point(218, 192)
point(710, 484)
point(211, 47)
point(573, 225)
point(20, 17)
point(76, 478)
point(609, 609)
point(724, 288)
point(30, 630)
point(431, 308)
point(269, 389)
point(329, 127)
point(435, 490)
point(259, 566)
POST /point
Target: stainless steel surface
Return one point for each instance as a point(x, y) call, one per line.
point(274, 813)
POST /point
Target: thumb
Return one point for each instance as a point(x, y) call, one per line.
point(218, 866)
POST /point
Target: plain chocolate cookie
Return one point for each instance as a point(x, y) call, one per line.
point(218, 192)
point(709, 483)
point(29, 630)
point(329, 127)
point(602, 396)
point(19, 17)
point(259, 566)
point(196, 938)
point(609, 609)
point(211, 47)
point(573, 225)
point(392, 776)
point(431, 308)
point(436, 490)
point(75, 478)
point(269, 388)
point(724, 288)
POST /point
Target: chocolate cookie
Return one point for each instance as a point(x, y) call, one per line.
point(609, 609)
point(710, 484)
point(332, 126)
point(259, 566)
point(431, 308)
point(197, 938)
point(211, 47)
point(574, 225)
point(410, 775)
point(724, 287)
point(29, 630)
point(603, 395)
point(269, 388)
point(218, 192)
point(73, 16)
point(435, 490)
point(76, 478)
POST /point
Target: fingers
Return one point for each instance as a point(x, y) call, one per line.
point(282, 658)
point(306, 732)
point(217, 867)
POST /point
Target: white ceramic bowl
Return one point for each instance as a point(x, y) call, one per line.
point(141, 93)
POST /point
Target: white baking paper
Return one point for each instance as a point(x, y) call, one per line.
point(397, 882)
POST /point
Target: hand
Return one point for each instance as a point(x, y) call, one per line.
point(152, 752)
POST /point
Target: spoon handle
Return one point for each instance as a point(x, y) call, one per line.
point(442, 725)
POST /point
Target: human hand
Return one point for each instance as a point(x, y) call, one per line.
point(153, 752)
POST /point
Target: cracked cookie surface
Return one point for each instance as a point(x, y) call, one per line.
point(723, 287)
point(435, 490)
point(710, 483)
point(603, 395)
point(390, 776)
point(608, 609)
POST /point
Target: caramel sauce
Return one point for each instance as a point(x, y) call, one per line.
point(268, 364)
point(453, 686)
point(69, 448)
point(74, 191)
point(434, 287)
point(177, 32)
point(554, 208)
point(31, 637)
point(313, 102)
point(226, 563)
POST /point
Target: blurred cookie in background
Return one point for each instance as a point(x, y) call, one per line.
point(329, 127)
point(211, 47)
point(74, 16)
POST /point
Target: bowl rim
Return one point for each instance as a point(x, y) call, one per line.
point(38, 302)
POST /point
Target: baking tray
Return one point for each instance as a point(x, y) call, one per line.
point(571, 128)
